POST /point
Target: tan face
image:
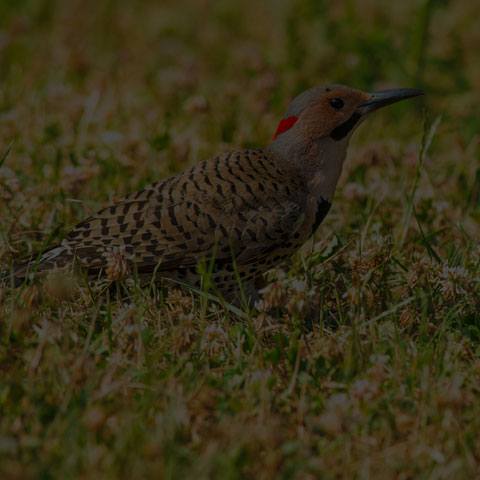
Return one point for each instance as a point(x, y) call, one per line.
point(314, 131)
point(333, 114)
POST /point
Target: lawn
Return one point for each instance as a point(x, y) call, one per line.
point(362, 360)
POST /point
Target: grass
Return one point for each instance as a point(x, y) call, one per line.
point(362, 361)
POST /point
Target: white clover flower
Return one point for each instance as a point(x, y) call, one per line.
point(454, 281)
point(299, 285)
point(117, 264)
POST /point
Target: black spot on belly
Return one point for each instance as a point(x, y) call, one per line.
point(323, 208)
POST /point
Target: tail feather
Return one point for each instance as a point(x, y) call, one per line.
point(57, 256)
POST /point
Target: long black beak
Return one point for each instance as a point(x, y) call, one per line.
point(386, 97)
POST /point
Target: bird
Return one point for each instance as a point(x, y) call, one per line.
point(238, 214)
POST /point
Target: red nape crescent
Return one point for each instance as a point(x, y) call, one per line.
point(285, 124)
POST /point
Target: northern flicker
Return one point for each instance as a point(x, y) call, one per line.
point(242, 212)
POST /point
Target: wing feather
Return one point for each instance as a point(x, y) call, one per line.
point(223, 204)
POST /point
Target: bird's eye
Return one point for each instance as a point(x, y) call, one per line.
point(336, 103)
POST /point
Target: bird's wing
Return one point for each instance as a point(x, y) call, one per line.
point(221, 205)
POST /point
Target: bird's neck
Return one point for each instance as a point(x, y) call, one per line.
point(319, 162)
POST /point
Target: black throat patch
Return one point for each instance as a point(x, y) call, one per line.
point(344, 129)
point(322, 209)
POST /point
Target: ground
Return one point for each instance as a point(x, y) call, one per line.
point(363, 359)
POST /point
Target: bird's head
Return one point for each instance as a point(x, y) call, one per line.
point(317, 125)
point(334, 111)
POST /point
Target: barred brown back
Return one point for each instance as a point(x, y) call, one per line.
point(244, 208)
